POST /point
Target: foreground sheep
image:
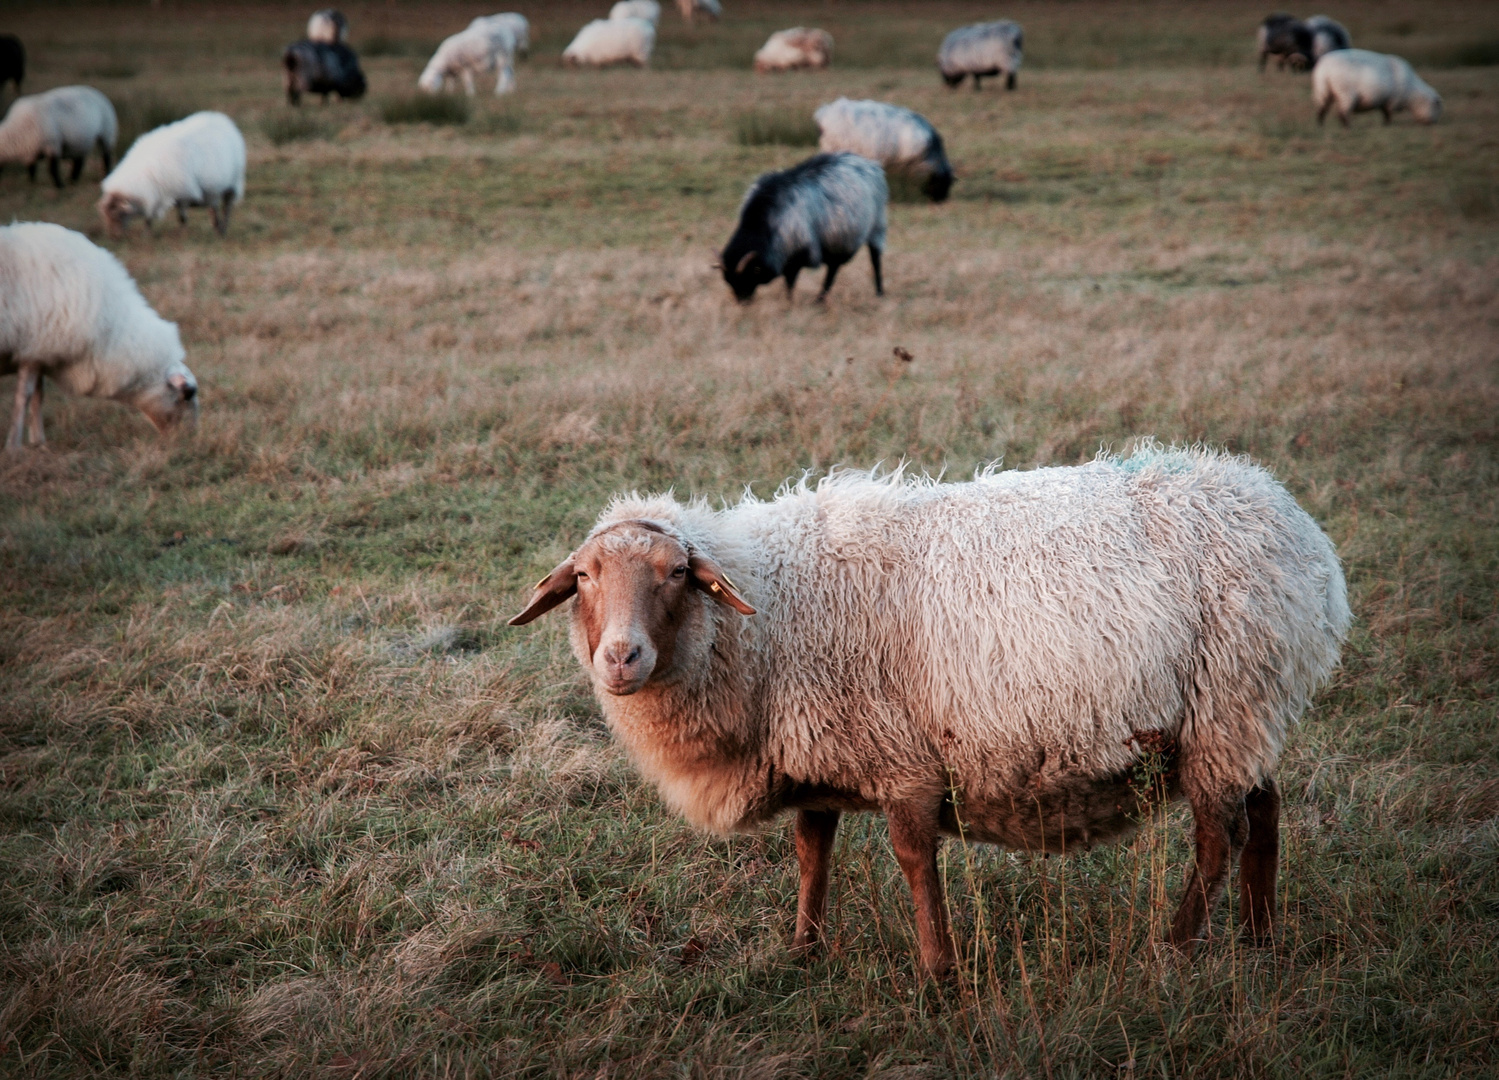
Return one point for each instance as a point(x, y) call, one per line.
point(612, 41)
point(68, 122)
point(1286, 38)
point(516, 24)
point(799, 47)
point(1026, 660)
point(1328, 35)
point(12, 61)
point(479, 50)
point(991, 48)
point(648, 10)
point(199, 161)
point(70, 312)
point(315, 67)
point(1356, 80)
point(821, 211)
point(897, 138)
point(690, 8)
point(329, 27)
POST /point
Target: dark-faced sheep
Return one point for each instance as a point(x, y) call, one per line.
point(12, 61)
point(316, 67)
point(1286, 38)
point(819, 212)
point(998, 660)
point(991, 48)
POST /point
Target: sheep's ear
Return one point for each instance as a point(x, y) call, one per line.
point(550, 591)
point(707, 575)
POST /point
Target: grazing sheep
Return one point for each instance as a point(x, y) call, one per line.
point(12, 61)
point(68, 122)
point(518, 26)
point(820, 211)
point(197, 161)
point(329, 27)
point(799, 47)
point(315, 67)
point(690, 8)
point(612, 41)
point(648, 10)
point(1286, 38)
point(1328, 35)
point(991, 48)
point(69, 312)
point(478, 50)
point(1031, 659)
point(897, 138)
point(1356, 80)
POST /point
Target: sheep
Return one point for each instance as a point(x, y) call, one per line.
point(475, 51)
point(1356, 80)
point(197, 161)
point(820, 211)
point(70, 312)
point(991, 48)
point(315, 67)
point(897, 138)
point(328, 27)
point(612, 41)
point(648, 10)
point(799, 47)
point(68, 122)
point(12, 61)
point(690, 8)
point(518, 26)
point(1034, 658)
point(1328, 35)
point(1286, 38)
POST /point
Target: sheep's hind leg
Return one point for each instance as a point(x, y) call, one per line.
point(54, 171)
point(77, 170)
point(221, 219)
point(182, 213)
point(879, 281)
point(1221, 826)
point(1010, 81)
point(34, 433)
point(913, 834)
point(28, 377)
point(815, 830)
point(107, 156)
point(827, 281)
point(1258, 862)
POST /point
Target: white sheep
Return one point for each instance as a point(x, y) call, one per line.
point(518, 26)
point(1031, 659)
point(197, 161)
point(70, 312)
point(612, 41)
point(897, 138)
point(799, 47)
point(648, 10)
point(329, 27)
point(479, 50)
point(68, 122)
point(1356, 80)
point(991, 48)
point(1328, 35)
point(690, 8)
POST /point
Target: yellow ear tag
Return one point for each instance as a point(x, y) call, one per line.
point(714, 588)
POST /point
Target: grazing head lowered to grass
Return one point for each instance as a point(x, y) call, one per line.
point(993, 659)
point(981, 50)
point(67, 122)
point(1357, 80)
point(196, 161)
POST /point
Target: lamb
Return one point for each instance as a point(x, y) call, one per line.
point(1356, 80)
point(328, 27)
point(799, 47)
point(612, 41)
point(820, 211)
point(70, 312)
point(991, 48)
point(12, 61)
point(1035, 659)
point(478, 50)
point(518, 26)
point(197, 161)
point(1328, 35)
point(68, 122)
point(648, 10)
point(897, 138)
point(315, 67)
point(690, 8)
point(1286, 38)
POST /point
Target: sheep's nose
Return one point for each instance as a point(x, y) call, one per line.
point(189, 392)
point(622, 655)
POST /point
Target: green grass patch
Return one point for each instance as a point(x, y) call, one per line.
point(425, 109)
point(295, 126)
point(775, 127)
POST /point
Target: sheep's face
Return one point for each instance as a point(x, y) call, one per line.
point(1428, 110)
point(117, 209)
point(638, 610)
point(745, 273)
point(173, 401)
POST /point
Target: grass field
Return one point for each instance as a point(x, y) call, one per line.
point(280, 793)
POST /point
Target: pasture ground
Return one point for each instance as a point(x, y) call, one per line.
point(281, 795)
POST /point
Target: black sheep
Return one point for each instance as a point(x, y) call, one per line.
point(12, 61)
point(316, 67)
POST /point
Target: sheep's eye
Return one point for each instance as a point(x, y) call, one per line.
point(582, 575)
point(679, 572)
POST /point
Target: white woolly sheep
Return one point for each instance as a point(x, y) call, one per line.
point(648, 10)
point(899, 139)
point(329, 27)
point(1328, 35)
point(476, 51)
point(820, 211)
point(68, 122)
point(517, 24)
point(1033, 659)
point(690, 8)
point(1356, 80)
point(198, 161)
point(799, 47)
point(70, 312)
point(991, 48)
point(612, 41)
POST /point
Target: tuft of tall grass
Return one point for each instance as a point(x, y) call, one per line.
point(295, 126)
point(425, 109)
point(775, 127)
point(140, 115)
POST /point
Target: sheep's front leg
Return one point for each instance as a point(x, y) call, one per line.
point(108, 157)
point(468, 82)
point(1258, 862)
point(77, 170)
point(815, 830)
point(34, 433)
point(181, 214)
point(54, 171)
point(827, 281)
point(1010, 81)
point(28, 377)
point(913, 834)
point(1222, 828)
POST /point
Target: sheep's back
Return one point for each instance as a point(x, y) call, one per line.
point(874, 130)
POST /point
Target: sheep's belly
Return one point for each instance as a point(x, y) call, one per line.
point(1069, 814)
